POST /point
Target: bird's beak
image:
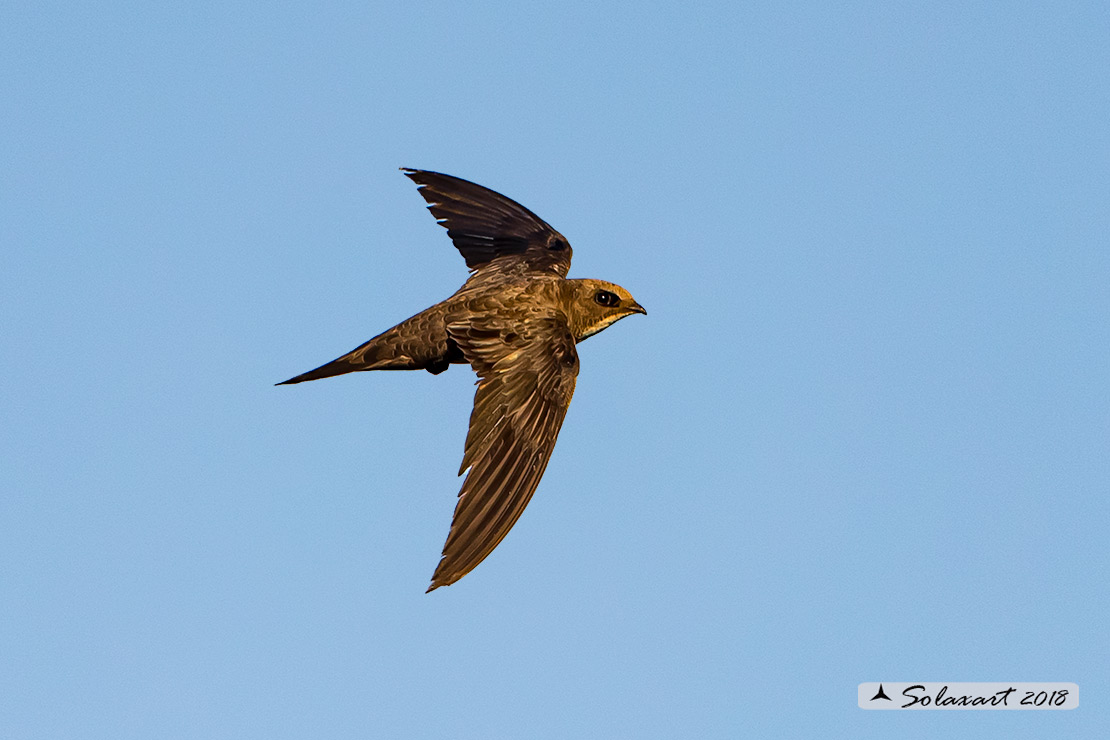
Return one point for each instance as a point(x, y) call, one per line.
point(635, 307)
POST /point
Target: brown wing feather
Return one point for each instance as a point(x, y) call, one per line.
point(485, 225)
point(526, 373)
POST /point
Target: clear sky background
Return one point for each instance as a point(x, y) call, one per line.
point(862, 434)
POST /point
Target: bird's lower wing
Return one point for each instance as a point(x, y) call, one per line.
point(527, 371)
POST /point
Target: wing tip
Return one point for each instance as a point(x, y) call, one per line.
point(415, 175)
point(439, 579)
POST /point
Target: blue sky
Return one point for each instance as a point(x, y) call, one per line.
point(861, 435)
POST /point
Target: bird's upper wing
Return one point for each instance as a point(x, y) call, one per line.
point(485, 225)
point(526, 369)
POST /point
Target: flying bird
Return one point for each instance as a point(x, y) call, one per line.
point(516, 321)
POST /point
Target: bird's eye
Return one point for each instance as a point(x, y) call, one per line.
point(606, 298)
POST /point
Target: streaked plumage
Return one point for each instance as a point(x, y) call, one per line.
point(516, 321)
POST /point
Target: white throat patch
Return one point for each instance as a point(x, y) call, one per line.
point(591, 330)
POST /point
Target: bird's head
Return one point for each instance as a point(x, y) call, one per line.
point(595, 304)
